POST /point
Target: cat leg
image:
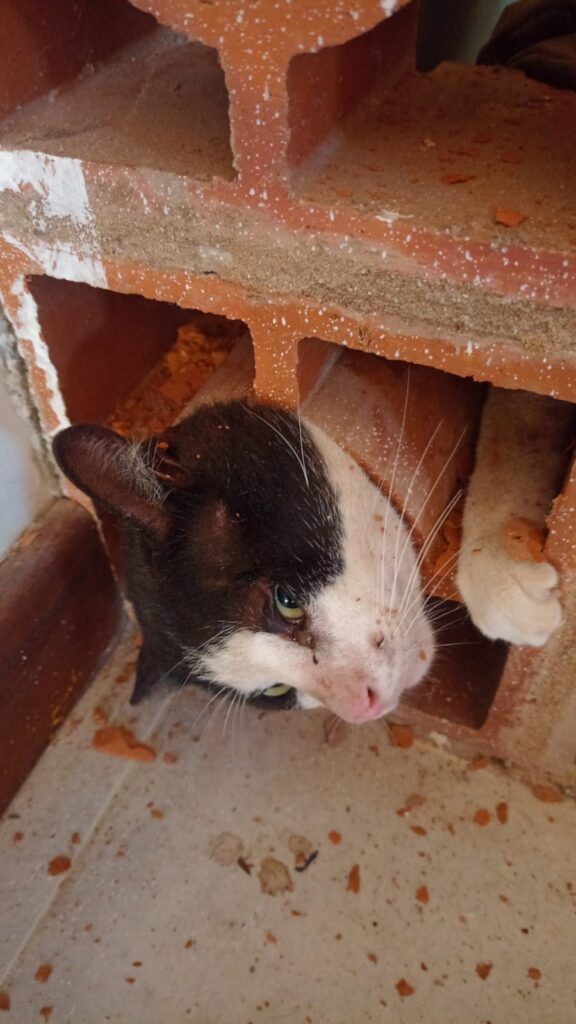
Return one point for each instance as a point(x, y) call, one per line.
point(507, 585)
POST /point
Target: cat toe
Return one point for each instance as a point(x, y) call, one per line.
point(537, 579)
point(513, 601)
point(531, 621)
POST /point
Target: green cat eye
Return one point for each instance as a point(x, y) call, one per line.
point(287, 605)
point(280, 690)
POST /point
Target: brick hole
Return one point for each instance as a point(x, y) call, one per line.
point(101, 343)
point(443, 151)
point(125, 360)
point(53, 40)
point(188, 372)
point(465, 676)
point(362, 401)
point(326, 86)
point(133, 363)
point(154, 101)
point(360, 398)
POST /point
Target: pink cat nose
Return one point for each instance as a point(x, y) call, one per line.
point(362, 706)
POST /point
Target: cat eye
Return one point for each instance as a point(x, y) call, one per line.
point(279, 690)
point(287, 605)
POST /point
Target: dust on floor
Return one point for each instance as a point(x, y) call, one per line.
point(254, 873)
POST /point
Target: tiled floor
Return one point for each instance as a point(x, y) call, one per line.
point(157, 921)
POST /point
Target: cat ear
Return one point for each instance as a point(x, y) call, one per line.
point(131, 480)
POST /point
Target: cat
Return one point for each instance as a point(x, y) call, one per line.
point(262, 561)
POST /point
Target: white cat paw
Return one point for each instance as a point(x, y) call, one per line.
point(509, 600)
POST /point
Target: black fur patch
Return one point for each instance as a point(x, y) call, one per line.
point(257, 510)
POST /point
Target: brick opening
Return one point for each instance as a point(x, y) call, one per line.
point(51, 41)
point(411, 427)
point(150, 99)
point(326, 86)
point(466, 671)
point(452, 152)
point(132, 362)
point(361, 400)
point(366, 403)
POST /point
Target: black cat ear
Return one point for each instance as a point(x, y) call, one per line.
point(130, 480)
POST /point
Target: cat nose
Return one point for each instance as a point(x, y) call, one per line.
point(368, 705)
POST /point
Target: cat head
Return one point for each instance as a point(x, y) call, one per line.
point(262, 558)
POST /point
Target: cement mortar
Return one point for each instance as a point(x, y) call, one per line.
point(247, 248)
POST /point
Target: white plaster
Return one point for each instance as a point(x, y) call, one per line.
point(59, 189)
point(389, 216)
point(212, 254)
point(28, 329)
point(58, 261)
point(58, 181)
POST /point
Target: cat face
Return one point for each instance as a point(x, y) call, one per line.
point(262, 560)
point(352, 641)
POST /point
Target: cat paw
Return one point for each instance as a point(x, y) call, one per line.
point(509, 600)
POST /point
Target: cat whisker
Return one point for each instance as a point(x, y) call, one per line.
point(424, 504)
point(226, 630)
point(397, 561)
point(208, 704)
point(230, 699)
point(442, 625)
point(392, 484)
point(444, 646)
point(239, 704)
point(218, 708)
point(414, 578)
point(303, 461)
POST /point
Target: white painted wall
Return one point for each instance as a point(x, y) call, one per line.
point(25, 484)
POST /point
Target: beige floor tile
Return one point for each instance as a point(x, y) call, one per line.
point(149, 925)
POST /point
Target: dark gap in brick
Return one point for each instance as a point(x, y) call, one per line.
point(127, 361)
point(52, 41)
point(325, 87)
point(464, 679)
point(136, 95)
